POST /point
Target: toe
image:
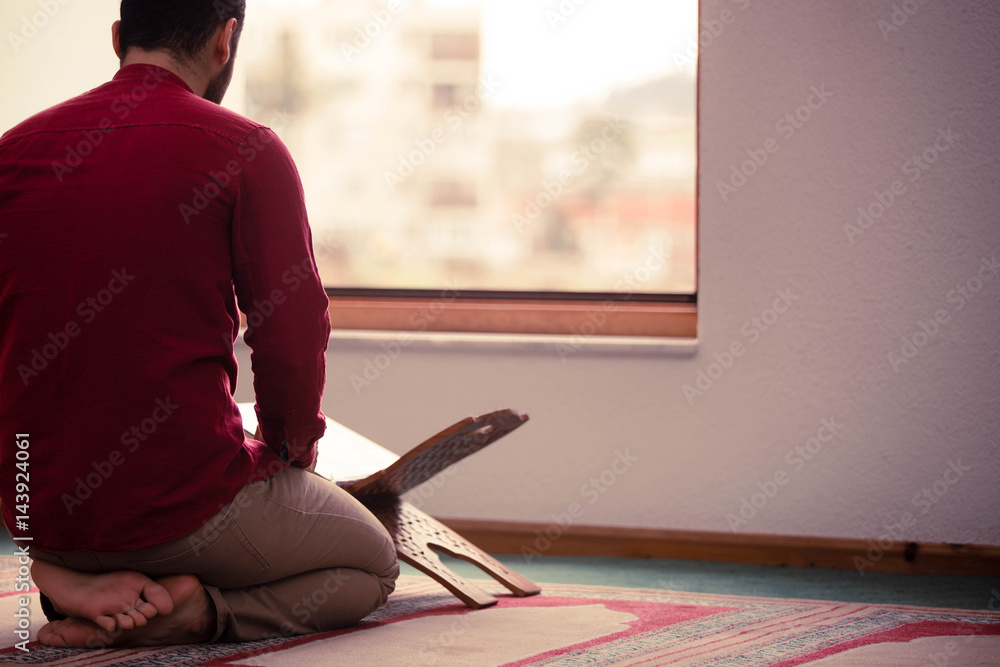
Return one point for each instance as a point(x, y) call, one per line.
point(48, 636)
point(106, 623)
point(125, 621)
point(138, 619)
point(158, 596)
point(147, 609)
point(74, 633)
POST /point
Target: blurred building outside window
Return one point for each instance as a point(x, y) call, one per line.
point(489, 144)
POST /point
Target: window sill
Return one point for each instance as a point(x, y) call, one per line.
point(575, 320)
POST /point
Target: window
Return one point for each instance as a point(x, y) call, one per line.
point(521, 167)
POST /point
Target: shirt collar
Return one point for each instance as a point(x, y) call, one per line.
point(150, 76)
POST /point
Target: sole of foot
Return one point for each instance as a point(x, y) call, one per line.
point(192, 621)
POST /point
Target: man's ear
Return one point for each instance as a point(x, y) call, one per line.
point(222, 49)
point(115, 34)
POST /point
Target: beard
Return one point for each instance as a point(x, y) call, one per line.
point(218, 86)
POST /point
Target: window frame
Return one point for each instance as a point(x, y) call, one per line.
point(547, 313)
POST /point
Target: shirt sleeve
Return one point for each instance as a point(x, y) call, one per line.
point(279, 289)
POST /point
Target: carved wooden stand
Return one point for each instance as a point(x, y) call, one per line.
point(415, 533)
point(346, 457)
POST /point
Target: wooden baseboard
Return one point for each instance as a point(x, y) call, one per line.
point(535, 539)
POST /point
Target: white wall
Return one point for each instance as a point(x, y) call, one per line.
point(826, 357)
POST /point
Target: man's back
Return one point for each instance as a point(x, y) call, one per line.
point(129, 212)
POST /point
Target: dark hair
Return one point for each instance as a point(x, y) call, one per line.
point(182, 27)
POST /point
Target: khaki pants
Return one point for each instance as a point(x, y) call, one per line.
point(291, 554)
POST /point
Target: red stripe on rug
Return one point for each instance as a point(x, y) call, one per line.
point(650, 615)
point(752, 635)
point(902, 634)
point(8, 594)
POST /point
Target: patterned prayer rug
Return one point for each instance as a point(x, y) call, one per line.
point(423, 624)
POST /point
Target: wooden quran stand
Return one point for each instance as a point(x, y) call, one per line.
point(377, 478)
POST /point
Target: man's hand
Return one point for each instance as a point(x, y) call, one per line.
point(308, 461)
point(311, 467)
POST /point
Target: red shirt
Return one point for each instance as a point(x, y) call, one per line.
point(133, 218)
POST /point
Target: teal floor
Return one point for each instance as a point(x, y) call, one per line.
point(958, 592)
point(736, 579)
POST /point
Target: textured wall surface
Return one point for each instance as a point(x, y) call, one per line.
point(903, 124)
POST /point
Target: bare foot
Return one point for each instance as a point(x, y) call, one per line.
point(192, 621)
point(115, 600)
